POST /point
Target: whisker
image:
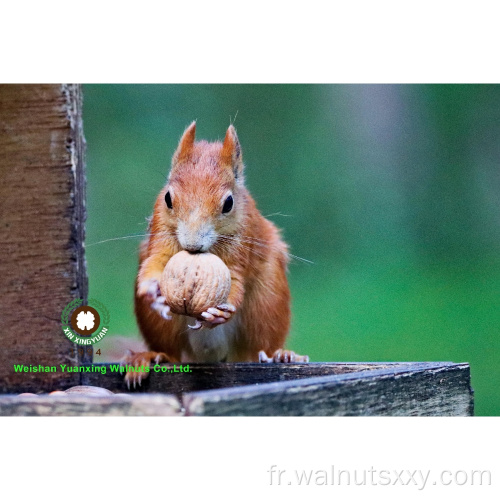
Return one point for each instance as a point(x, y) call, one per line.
point(224, 244)
point(251, 246)
point(278, 213)
point(241, 240)
point(235, 241)
point(301, 259)
point(250, 240)
point(115, 239)
point(130, 236)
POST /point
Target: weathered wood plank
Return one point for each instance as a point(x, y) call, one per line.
point(320, 388)
point(77, 405)
point(314, 389)
point(207, 376)
point(418, 390)
point(42, 213)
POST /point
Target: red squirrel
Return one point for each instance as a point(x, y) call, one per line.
point(205, 207)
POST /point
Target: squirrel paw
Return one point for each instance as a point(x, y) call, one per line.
point(282, 356)
point(140, 360)
point(151, 288)
point(214, 316)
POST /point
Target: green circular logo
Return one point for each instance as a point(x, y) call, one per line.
point(85, 324)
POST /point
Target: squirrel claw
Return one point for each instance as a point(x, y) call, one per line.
point(263, 357)
point(151, 288)
point(227, 307)
point(217, 312)
point(140, 360)
point(282, 356)
point(161, 308)
point(214, 316)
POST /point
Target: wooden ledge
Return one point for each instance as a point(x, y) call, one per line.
point(229, 389)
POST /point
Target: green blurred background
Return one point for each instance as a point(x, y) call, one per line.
point(391, 190)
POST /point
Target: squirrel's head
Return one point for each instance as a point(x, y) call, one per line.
point(204, 196)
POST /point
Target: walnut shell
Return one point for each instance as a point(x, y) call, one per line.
point(191, 283)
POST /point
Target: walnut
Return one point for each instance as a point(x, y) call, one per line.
point(192, 283)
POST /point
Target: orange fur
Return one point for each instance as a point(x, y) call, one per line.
point(201, 177)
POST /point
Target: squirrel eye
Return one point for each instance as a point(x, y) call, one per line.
point(228, 205)
point(168, 200)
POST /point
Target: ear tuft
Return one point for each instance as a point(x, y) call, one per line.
point(185, 147)
point(231, 151)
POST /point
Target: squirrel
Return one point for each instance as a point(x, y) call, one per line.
point(205, 207)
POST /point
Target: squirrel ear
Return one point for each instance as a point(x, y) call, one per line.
point(231, 151)
point(186, 143)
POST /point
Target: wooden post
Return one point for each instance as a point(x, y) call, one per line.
point(42, 214)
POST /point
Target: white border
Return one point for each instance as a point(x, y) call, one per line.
point(230, 458)
point(264, 41)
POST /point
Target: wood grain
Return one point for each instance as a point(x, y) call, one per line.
point(208, 376)
point(311, 389)
point(241, 389)
point(42, 214)
point(77, 405)
point(412, 389)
